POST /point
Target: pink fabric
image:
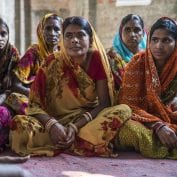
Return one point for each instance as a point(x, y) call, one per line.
point(5, 117)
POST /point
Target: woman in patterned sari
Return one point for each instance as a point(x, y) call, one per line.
point(48, 34)
point(129, 40)
point(8, 60)
point(149, 87)
point(69, 100)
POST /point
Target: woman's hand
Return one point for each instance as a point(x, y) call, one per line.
point(7, 82)
point(168, 137)
point(58, 133)
point(3, 97)
point(70, 138)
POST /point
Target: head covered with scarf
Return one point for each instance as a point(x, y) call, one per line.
point(145, 90)
point(118, 43)
point(43, 47)
point(95, 44)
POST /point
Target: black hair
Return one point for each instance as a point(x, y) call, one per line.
point(132, 17)
point(165, 23)
point(80, 21)
point(56, 17)
point(2, 22)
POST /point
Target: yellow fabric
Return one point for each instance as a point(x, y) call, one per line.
point(134, 135)
point(27, 135)
point(65, 91)
point(43, 49)
point(35, 55)
point(17, 102)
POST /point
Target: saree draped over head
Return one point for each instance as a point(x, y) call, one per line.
point(34, 56)
point(62, 89)
point(148, 94)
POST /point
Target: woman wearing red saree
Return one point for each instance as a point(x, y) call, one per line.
point(150, 88)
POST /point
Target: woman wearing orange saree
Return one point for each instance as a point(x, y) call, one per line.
point(69, 100)
point(150, 88)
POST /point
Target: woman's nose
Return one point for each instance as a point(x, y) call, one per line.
point(159, 45)
point(74, 39)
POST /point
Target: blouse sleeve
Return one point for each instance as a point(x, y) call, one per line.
point(96, 70)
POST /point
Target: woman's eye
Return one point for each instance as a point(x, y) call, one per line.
point(68, 36)
point(3, 34)
point(127, 30)
point(154, 39)
point(166, 40)
point(137, 30)
point(81, 35)
point(56, 29)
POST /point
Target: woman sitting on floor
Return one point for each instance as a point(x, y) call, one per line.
point(48, 33)
point(129, 40)
point(149, 87)
point(9, 57)
point(69, 100)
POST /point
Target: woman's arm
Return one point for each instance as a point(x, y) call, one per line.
point(103, 102)
point(20, 88)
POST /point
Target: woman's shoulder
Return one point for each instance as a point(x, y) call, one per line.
point(33, 49)
point(95, 56)
point(13, 53)
point(30, 55)
point(137, 62)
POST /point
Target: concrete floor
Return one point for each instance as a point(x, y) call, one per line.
point(128, 164)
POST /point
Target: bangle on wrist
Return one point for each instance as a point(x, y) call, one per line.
point(50, 123)
point(88, 116)
point(74, 127)
point(157, 126)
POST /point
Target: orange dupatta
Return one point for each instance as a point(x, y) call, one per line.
point(142, 88)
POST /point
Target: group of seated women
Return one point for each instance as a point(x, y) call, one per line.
point(67, 94)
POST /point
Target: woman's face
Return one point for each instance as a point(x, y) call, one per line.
point(162, 45)
point(3, 36)
point(52, 31)
point(76, 41)
point(132, 34)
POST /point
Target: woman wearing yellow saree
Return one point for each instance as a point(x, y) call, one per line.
point(69, 100)
point(48, 34)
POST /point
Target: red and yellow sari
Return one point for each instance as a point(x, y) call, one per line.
point(34, 56)
point(62, 89)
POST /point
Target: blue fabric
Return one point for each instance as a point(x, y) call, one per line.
point(123, 51)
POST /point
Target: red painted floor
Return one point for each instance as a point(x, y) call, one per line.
point(128, 164)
